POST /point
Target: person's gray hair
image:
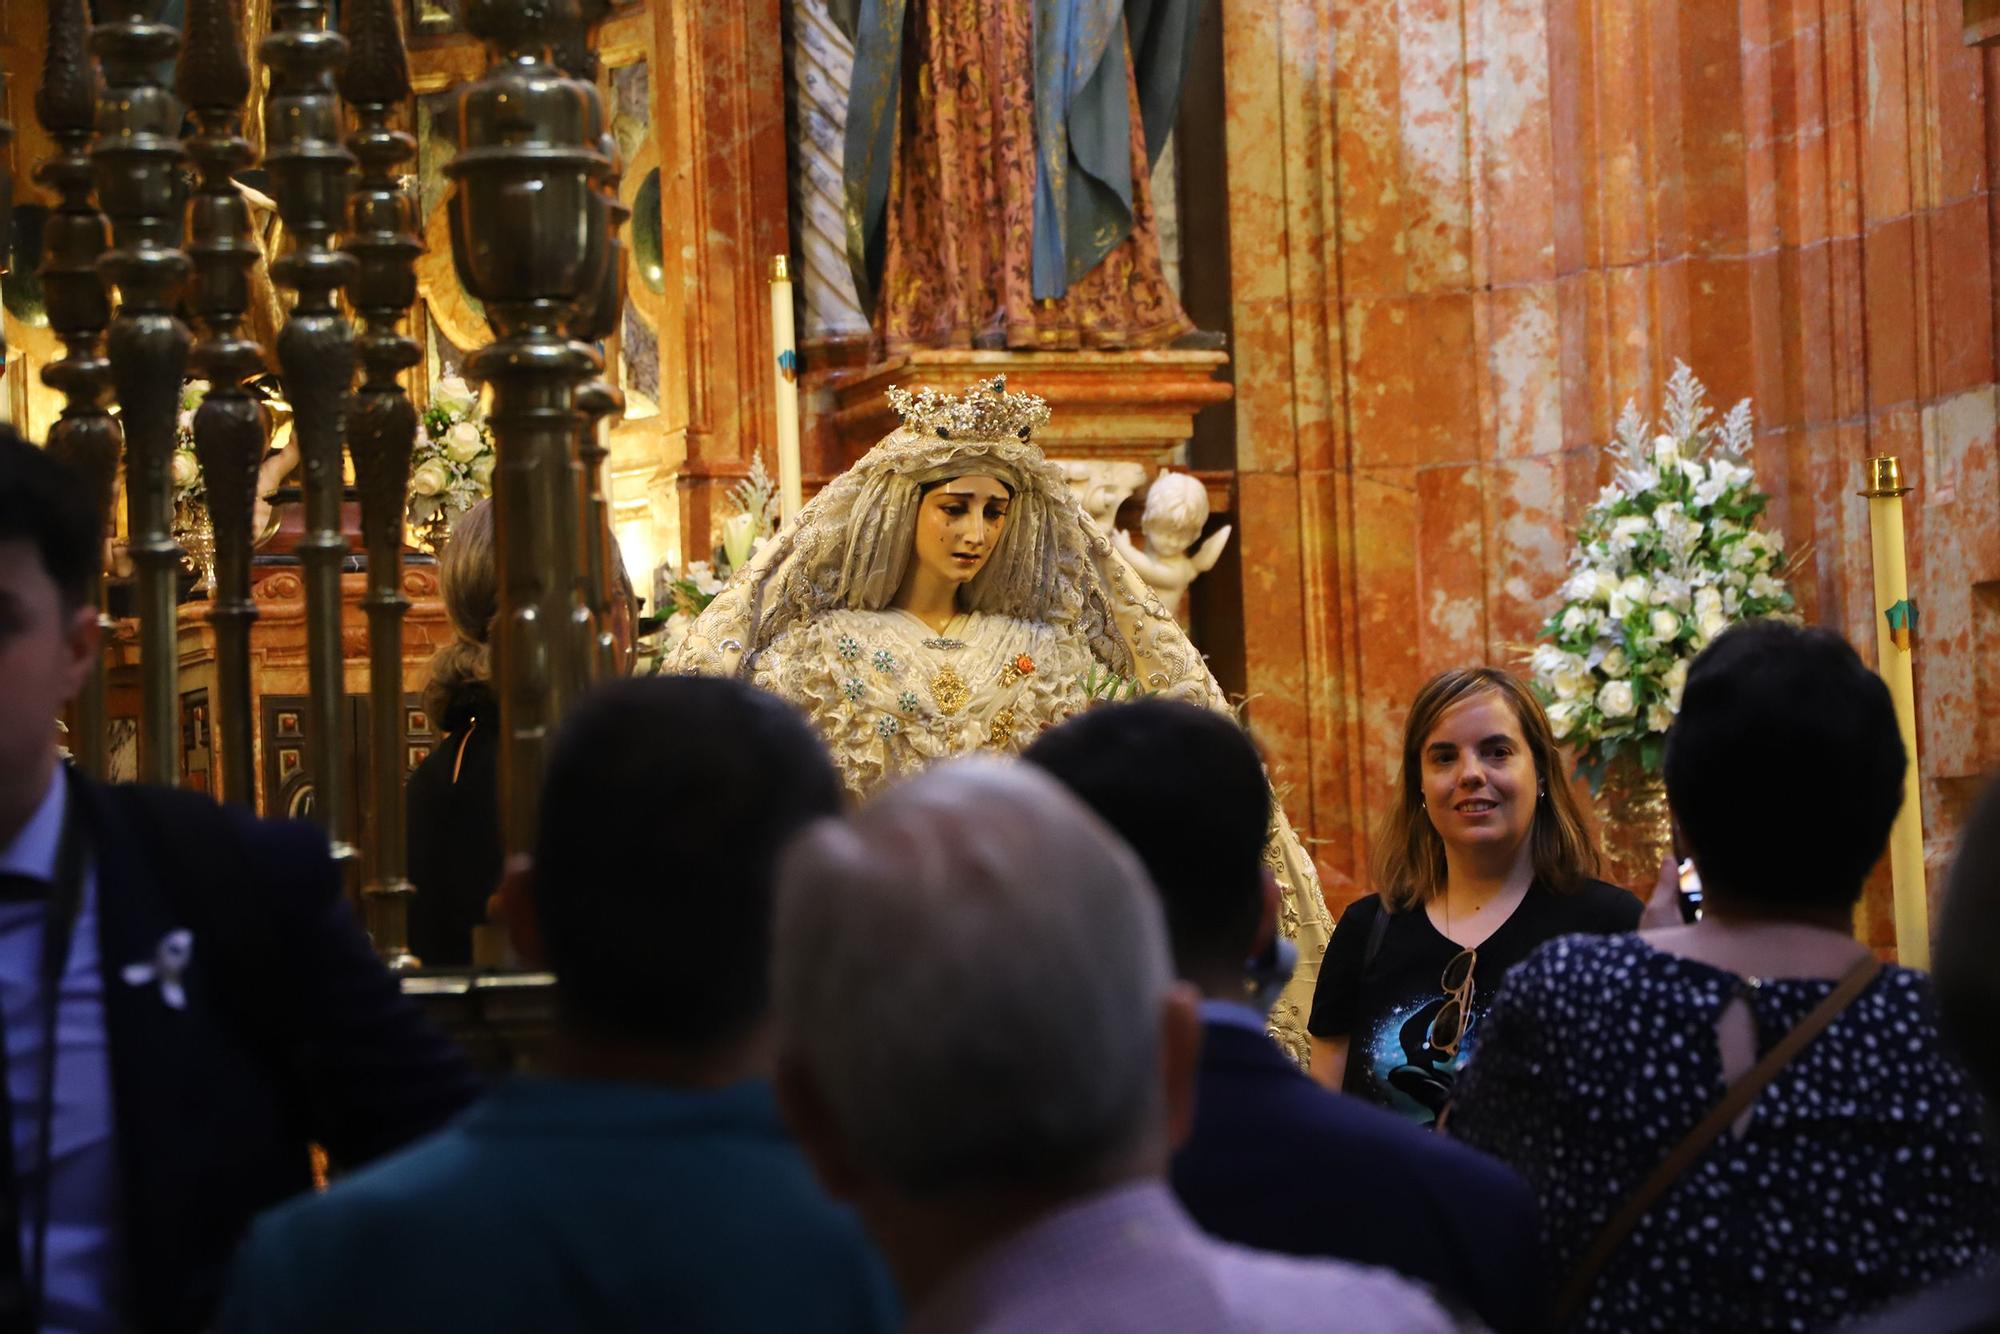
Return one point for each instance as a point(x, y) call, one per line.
point(972, 970)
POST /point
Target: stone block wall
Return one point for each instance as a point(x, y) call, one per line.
point(1464, 232)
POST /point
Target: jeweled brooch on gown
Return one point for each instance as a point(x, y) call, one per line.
point(948, 690)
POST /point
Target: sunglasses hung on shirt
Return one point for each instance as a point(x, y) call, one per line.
point(1448, 1024)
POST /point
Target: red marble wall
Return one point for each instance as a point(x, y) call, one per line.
point(1464, 232)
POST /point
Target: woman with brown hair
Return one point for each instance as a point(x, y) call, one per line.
point(454, 810)
point(453, 796)
point(1482, 857)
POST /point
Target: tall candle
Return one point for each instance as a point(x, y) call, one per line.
point(1895, 622)
point(791, 484)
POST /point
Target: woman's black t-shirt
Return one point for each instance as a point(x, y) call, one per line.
point(1384, 1004)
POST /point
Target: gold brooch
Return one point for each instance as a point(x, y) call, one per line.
point(1017, 669)
point(949, 691)
point(1000, 735)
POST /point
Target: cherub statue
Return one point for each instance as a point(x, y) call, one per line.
point(1101, 486)
point(1176, 511)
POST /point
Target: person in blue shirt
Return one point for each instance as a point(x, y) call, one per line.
point(1276, 1161)
point(643, 1181)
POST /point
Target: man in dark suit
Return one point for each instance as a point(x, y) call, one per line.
point(1276, 1161)
point(642, 1181)
point(219, 1009)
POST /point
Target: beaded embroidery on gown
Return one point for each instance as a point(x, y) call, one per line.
point(1054, 616)
point(891, 695)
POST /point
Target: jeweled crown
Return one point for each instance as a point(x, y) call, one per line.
point(984, 412)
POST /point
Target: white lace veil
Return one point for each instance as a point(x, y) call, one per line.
point(850, 545)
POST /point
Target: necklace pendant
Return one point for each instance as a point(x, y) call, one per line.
point(949, 691)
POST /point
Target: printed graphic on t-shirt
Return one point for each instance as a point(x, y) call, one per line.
point(1411, 1074)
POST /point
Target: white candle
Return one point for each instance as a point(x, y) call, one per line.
point(785, 352)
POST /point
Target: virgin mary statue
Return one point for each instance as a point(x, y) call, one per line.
point(947, 594)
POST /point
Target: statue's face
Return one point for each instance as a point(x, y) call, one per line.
point(958, 524)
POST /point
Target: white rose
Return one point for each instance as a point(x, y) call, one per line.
point(1547, 660)
point(1665, 624)
point(430, 479)
point(454, 395)
point(481, 469)
point(1571, 684)
point(1666, 451)
point(1676, 676)
point(1764, 586)
point(1615, 663)
point(1629, 594)
point(1707, 600)
point(1615, 699)
point(186, 468)
point(1669, 591)
point(1711, 624)
point(1579, 587)
point(1573, 621)
point(1562, 717)
point(1658, 717)
point(462, 443)
point(1606, 585)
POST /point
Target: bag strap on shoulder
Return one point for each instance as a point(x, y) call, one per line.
point(1738, 1097)
point(1376, 930)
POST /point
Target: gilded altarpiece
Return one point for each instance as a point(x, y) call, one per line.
point(692, 89)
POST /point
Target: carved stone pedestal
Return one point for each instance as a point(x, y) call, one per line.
point(1114, 405)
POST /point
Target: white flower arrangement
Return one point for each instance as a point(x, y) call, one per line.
point(1668, 556)
point(184, 467)
point(682, 596)
point(451, 469)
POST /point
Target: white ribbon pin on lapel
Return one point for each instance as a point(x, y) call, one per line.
point(170, 961)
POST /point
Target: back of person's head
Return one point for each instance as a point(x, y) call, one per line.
point(1784, 767)
point(44, 503)
point(469, 584)
point(1184, 787)
point(1968, 942)
point(664, 806)
point(970, 974)
point(1409, 858)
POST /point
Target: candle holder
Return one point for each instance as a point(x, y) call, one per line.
point(229, 427)
point(382, 237)
point(86, 435)
point(310, 172)
point(598, 400)
point(136, 160)
point(529, 153)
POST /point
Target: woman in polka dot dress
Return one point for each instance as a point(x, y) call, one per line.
point(1862, 1172)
